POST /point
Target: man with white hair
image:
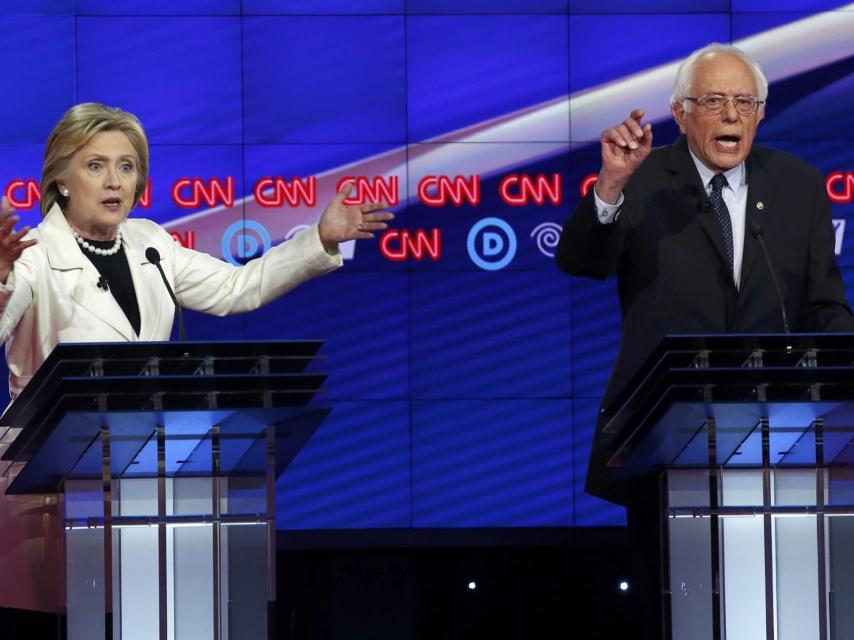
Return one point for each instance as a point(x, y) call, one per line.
point(680, 226)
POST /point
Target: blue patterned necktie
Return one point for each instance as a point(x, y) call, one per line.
point(718, 183)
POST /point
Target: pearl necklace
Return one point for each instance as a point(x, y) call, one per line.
point(99, 252)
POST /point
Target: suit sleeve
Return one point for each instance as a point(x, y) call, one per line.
point(587, 247)
point(827, 308)
point(207, 284)
point(16, 295)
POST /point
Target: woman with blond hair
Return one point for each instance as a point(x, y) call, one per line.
point(82, 275)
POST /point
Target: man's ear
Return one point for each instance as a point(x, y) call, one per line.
point(679, 115)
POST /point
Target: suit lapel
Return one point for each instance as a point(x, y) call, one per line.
point(685, 181)
point(760, 195)
point(64, 254)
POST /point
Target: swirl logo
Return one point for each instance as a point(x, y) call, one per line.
point(491, 244)
point(295, 230)
point(245, 240)
point(546, 235)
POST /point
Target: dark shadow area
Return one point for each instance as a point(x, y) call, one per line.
point(427, 594)
point(395, 592)
point(19, 623)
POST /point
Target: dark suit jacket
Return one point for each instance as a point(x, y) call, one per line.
point(667, 250)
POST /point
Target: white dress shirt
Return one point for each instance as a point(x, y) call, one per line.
point(734, 195)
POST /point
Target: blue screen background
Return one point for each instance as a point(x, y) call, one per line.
point(462, 397)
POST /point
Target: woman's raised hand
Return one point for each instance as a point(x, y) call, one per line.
point(11, 244)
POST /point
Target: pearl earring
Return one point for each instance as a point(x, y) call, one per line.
point(64, 192)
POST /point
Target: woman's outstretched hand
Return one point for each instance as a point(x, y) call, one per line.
point(341, 222)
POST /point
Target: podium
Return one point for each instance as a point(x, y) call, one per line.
point(752, 438)
point(164, 457)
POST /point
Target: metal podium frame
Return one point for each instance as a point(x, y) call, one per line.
point(752, 437)
point(165, 456)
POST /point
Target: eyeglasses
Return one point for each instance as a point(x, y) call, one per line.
point(713, 103)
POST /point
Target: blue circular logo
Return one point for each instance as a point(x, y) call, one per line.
point(491, 244)
point(250, 236)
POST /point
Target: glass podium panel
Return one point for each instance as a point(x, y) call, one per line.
point(84, 552)
point(246, 614)
point(189, 529)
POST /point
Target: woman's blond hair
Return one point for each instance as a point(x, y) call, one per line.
point(74, 131)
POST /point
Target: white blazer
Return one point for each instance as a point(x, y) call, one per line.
point(51, 294)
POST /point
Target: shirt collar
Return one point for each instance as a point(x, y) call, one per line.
point(735, 177)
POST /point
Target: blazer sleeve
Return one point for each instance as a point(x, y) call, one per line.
point(826, 306)
point(207, 284)
point(586, 246)
point(16, 295)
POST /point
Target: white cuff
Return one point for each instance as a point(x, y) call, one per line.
point(607, 213)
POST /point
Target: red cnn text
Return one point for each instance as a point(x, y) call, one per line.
point(401, 244)
point(438, 191)
point(186, 239)
point(374, 189)
point(23, 194)
point(294, 192)
point(519, 190)
point(145, 197)
point(587, 183)
point(190, 193)
point(840, 186)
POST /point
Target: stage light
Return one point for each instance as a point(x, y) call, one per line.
point(624, 586)
point(472, 585)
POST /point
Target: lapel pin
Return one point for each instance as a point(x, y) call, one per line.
point(760, 205)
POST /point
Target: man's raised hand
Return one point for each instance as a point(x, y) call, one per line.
point(624, 148)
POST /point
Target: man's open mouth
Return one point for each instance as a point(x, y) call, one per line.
point(728, 141)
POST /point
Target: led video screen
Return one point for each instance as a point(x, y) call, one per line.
point(465, 370)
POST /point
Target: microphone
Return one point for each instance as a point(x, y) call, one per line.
point(699, 196)
point(756, 232)
point(153, 256)
point(103, 283)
